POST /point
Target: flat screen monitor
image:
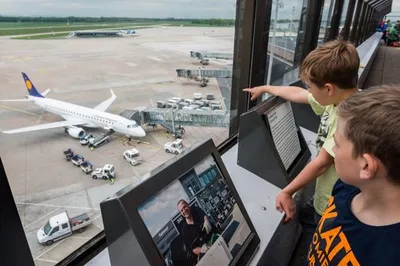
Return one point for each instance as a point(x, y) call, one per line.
point(188, 212)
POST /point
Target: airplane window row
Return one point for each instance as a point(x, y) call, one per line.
point(68, 111)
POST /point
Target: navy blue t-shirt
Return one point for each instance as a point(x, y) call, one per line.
point(341, 239)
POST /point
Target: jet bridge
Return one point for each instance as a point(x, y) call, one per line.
point(175, 117)
point(204, 54)
point(204, 73)
point(196, 118)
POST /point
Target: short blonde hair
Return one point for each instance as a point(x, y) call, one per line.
point(373, 125)
point(334, 62)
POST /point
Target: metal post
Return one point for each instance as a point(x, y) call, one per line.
point(284, 44)
point(349, 16)
point(173, 121)
point(356, 20)
point(335, 20)
point(271, 56)
point(328, 21)
point(361, 20)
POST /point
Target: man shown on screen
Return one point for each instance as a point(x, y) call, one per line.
point(197, 231)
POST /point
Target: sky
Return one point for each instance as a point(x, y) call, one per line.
point(158, 210)
point(140, 8)
point(121, 8)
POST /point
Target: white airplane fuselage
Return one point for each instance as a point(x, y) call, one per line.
point(93, 117)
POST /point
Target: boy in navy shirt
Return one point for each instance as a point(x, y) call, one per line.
point(361, 225)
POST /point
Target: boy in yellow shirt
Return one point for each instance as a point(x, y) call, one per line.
point(330, 73)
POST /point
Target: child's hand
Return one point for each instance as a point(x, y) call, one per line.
point(284, 202)
point(256, 91)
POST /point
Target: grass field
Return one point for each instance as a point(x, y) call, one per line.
point(42, 36)
point(35, 30)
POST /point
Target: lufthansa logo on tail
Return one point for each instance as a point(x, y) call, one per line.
point(28, 84)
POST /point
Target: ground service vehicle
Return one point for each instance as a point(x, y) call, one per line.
point(87, 167)
point(175, 147)
point(132, 156)
point(100, 140)
point(107, 172)
point(68, 154)
point(61, 226)
point(77, 160)
point(84, 140)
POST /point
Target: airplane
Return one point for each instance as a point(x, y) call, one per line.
point(76, 116)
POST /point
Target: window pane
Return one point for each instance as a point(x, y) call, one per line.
point(141, 50)
point(326, 21)
point(286, 33)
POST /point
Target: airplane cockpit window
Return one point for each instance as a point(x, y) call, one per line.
point(132, 126)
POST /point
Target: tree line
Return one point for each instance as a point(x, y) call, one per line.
point(217, 22)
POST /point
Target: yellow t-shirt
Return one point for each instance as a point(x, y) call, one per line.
point(327, 128)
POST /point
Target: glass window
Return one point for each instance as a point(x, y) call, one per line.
point(141, 50)
point(286, 32)
point(55, 230)
point(327, 12)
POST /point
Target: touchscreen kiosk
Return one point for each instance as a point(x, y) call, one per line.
point(187, 212)
point(271, 145)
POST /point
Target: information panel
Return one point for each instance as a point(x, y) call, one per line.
point(284, 132)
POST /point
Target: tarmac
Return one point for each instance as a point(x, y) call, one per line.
point(140, 70)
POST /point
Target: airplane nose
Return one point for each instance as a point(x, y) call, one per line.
point(141, 133)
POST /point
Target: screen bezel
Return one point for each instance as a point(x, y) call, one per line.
point(162, 177)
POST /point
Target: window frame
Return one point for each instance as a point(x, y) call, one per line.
point(249, 70)
point(312, 27)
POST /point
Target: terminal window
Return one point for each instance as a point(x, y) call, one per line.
point(284, 132)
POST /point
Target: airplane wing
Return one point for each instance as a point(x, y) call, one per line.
point(17, 100)
point(45, 92)
point(104, 105)
point(25, 100)
point(44, 126)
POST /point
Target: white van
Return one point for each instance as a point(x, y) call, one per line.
point(61, 226)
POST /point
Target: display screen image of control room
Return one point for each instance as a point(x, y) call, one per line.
point(195, 220)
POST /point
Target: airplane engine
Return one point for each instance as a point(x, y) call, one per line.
point(75, 132)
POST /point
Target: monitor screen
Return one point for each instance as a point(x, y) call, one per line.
point(284, 132)
point(196, 220)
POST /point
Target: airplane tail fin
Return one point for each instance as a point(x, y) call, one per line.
point(30, 87)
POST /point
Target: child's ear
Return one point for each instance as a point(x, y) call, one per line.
point(330, 88)
point(368, 166)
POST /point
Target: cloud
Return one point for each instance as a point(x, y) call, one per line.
point(140, 8)
point(121, 8)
